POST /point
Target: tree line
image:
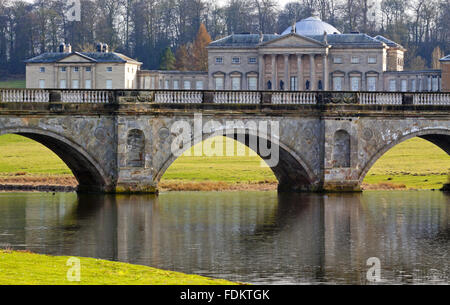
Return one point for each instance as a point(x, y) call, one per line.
point(167, 34)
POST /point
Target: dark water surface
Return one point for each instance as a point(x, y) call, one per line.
point(255, 237)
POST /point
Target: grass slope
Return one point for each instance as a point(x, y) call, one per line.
point(20, 268)
point(413, 164)
point(13, 84)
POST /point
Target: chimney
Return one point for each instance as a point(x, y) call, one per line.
point(99, 47)
point(105, 48)
point(261, 37)
point(325, 37)
point(62, 47)
point(68, 48)
point(294, 28)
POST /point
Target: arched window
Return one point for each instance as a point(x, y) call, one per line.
point(341, 149)
point(319, 85)
point(136, 148)
point(269, 85)
point(307, 85)
point(281, 85)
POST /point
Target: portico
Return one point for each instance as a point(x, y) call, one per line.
point(294, 63)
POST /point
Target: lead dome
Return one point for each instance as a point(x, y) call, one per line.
point(312, 26)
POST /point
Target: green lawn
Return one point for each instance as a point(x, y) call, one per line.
point(18, 268)
point(13, 84)
point(21, 155)
point(416, 163)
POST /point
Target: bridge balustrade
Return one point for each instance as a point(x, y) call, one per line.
point(222, 97)
point(82, 97)
point(294, 98)
point(25, 96)
point(381, 98)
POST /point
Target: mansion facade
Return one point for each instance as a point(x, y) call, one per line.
point(310, 55)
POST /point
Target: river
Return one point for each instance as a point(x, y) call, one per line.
point(254, 237)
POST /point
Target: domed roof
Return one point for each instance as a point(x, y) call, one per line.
point(312, 26)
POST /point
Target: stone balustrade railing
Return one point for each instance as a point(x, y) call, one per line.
point(24, 96)
point(294, 98)
point(82, 97)
point(222, 97)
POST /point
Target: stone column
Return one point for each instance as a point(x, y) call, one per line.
point(299, 72)
point(287, 83)
point(326, 80)
point(274, 72)
point(261, 71)
point(312, 69)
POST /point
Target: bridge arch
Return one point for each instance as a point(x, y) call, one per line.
point(87, 171)
point(292, 171)
point(439, 137)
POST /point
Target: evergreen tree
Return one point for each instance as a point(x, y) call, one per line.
point(167, 61)
point(199, 51)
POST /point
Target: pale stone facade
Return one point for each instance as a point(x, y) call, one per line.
point(312, 56)
point(445, 66)
point(80, 70)
point(302, 59)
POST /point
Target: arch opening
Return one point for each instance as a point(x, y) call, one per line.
point(291, 173)
point(88, 174)
point(420, 160)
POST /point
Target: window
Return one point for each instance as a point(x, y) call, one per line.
point(337, 60)
point(372, 60)
point(42, 69)
point(109, 84)
point(219, 60)
point(435, 84)
point(413, 85)
point(75, 84)
point(372, 83)
point(108, 69)
point(166, 84)
point(337, 83)
point(355, 59)
point(63, 69)
point(199, 85)
point(219, 81)
point(88, 84)
point(76, 69)
point(41, 83)
point(392, 85)
point(354, 83)
point(176, 84)
point(404, 84)
point(294, 83)
point(252, 83)
point(152, 82)
point(187, 85)
point(252, 60)
point(62, 84)
point(236, 60)
point(88, 69)
point(236, 83)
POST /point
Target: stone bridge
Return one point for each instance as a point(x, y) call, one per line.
point(122, 141)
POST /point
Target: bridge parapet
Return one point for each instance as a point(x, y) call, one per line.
point(222, 97)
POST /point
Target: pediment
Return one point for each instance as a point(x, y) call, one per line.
point(75, 57)
point(292, 40)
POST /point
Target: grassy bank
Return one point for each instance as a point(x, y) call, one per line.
point(13, 84)
point(20, 268)
point(414, 164)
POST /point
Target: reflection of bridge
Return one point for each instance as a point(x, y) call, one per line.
point(121, 140)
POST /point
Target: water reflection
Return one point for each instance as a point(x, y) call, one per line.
point(253, 237)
